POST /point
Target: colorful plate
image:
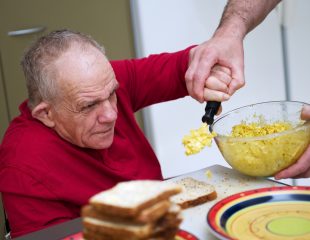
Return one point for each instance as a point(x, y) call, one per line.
point(181, 235)
point(267, 213)
point(184, 235)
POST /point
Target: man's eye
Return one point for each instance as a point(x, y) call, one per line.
point(88, 106)
point(91, 105)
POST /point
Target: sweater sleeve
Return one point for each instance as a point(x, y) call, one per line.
point(154, 79)
point(28, 212)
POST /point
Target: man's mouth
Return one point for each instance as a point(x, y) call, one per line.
point(104, 131)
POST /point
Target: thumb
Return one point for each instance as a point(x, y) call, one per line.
point(305, 114)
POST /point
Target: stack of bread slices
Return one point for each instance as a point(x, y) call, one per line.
point(133, 210)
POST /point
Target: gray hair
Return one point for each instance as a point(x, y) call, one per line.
point(38, 59)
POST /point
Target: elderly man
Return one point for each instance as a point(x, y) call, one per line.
point(77, 134)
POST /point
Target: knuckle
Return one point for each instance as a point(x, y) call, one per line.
point(188, 76)
point(196, 77)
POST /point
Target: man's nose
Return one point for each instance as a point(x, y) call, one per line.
point(107, 112)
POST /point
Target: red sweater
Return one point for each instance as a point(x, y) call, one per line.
point(45, 180)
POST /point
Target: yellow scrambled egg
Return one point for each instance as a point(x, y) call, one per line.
point(263, 157)
point(258, 129)
point(208, 173)
point(197, 139)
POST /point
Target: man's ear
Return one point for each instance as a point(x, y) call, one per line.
point(42, 112)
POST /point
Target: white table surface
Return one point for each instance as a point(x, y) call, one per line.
point(226, 182)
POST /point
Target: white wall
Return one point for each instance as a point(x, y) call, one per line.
point(298, 41)
point(170, 25)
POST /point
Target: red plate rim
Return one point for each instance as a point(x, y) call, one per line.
point(186, 235)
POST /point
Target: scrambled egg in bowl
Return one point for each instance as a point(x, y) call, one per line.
point(253, 151)
point(264, 138)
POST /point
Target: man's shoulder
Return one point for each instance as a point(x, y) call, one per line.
point(25, 139)
point(24, 130)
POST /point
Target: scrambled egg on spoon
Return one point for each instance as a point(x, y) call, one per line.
point(198, 139)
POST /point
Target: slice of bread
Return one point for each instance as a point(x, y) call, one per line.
point(120, 229)
point(147, 215)
point(171, 218)
point(166, 224)
point(167, 234)
point(154, 212)
point(194, 193)
point(128, 199)
point(89, 234)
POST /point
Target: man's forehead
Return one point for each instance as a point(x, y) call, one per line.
point(83, 69)
point(83, 54)
point(81, 61)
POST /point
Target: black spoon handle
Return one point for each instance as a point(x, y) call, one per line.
point(210, 110)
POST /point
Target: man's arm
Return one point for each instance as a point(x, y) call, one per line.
point(242, 16)
point(225, 48)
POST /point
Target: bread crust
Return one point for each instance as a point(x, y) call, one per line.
point(194, 193)
point(118, 232)
point(147, 215)
point(118, 209)
point(198, 201)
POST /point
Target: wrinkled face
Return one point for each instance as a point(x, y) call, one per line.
point(86, 111)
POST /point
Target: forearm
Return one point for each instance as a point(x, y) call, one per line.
point(225, 48)
point(241, 16)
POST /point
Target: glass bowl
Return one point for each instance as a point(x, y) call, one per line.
point(263, 156)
